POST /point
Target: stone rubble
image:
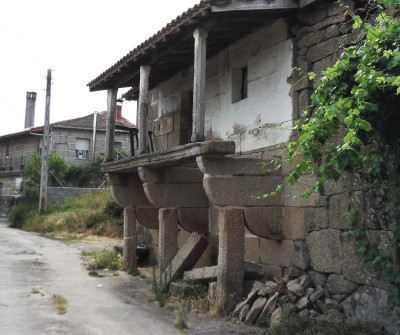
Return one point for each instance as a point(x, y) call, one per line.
point(266, 304)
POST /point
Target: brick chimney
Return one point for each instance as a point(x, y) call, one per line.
point(30, 109)
point(118, 113)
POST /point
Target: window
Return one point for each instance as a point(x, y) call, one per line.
point(239, 84)
point(82, 148)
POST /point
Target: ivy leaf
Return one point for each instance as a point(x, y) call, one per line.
point(357, 22)
point(364, 125)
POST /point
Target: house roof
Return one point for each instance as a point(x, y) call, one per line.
point(170, 50)
point(86, 122)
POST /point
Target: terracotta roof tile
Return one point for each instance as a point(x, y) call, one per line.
point(86, 122)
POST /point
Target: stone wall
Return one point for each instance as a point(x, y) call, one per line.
point(56, 194)
point(315, 231)
point(63, 141)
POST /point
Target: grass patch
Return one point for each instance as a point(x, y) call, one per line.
point(35, 291)
point(90, 214)
point(93, 273)
point(105, 259)
point(181, 313)
point(60, 303)
point(134, 273)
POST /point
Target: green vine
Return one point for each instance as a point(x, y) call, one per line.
point(358, 101)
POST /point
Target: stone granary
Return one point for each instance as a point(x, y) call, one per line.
point(218, 90)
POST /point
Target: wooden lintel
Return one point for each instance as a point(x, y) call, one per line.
point(304, 3)
point(236, 5)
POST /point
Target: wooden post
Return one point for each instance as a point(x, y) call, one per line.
point(46, 148)
point(143, 108)
point(199, 84)
point(110, 128)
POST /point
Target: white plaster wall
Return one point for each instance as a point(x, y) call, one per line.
point(265, 116)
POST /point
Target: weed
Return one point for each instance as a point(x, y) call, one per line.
point(60, 303)
point(181, 312)
point(116, 274)
point(134, 273)
point(161, 288)
point(105, 259)
point(292, 323)
point(93, 273)
point(34, 291)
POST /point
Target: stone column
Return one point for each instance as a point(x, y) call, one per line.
point(168, 237)
point(143, 108)
point(199, 84)
point(110, 127)
point(130, 242)
point(230, 273)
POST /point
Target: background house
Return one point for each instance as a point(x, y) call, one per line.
point(79, 140)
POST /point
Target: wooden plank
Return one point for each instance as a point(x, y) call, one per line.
point(304, 3)
point(236, 5)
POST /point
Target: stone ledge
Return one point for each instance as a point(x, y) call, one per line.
point(179, 154)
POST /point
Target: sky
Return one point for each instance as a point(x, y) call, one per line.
point(77, 40)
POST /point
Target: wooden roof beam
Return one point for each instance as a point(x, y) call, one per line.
point(237, 5)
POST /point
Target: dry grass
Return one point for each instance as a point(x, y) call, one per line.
point(71, 217)
point(60, 303)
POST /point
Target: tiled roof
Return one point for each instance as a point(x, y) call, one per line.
point(204, 4)
point(170, 50)
point(86, 122)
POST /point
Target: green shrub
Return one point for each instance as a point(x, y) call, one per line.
point(95, 220)
point(113, 210)
point(21, 212)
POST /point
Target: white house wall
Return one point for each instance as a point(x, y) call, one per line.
point(260, 120)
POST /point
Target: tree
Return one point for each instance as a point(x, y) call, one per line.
point(58, 170)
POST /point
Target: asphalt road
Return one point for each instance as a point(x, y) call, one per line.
point(34, 268)
point(109, 305)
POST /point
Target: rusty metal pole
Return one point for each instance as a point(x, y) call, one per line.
point(46, 148)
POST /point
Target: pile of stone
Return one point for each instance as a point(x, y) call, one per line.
point(267, 303)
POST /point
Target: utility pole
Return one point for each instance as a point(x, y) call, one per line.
point(46, 146)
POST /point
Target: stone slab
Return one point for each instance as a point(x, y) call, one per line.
point(242, 191)
point(264, 221)
point(147, 217)
point(194, 219)
point(255, 310)
point(169, 174)
point(127, 190)
point(326, 250)
point(236, 166)
point(187, 256)
point(172, 156)
point(252, 272)
point(176, 194)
